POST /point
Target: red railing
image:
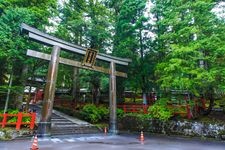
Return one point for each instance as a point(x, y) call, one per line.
point(183, 110)
point(137, 108)
point(19, 121)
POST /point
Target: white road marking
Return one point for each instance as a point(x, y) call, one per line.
point(56, 140)
point(70, 140)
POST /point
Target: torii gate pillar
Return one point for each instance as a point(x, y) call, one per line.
point(112, 100)
point(44, 126)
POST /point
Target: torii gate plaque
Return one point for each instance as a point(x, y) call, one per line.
point(44, 127)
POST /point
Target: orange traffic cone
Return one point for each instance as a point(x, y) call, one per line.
point(142, 137)
point(35, 144)
point(105, 130)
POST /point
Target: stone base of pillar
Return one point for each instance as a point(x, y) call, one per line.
point(113, 132)
point(113, 128)
point(44, 129)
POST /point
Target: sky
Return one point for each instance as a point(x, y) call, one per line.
point(219, 10)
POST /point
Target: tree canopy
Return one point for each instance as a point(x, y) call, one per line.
point(173, 44)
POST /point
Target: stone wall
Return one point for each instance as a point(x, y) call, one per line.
point(9, 133)
point(184, 128)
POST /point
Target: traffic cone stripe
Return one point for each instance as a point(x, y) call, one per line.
point(105, 130)
point(142, 136)
point(35, 144)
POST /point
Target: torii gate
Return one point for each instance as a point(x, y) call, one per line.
point(44, 127)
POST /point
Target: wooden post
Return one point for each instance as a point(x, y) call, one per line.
point(19, 120)
point(145, 108)
point(112, 100)
point(188, 111)
point(124, 108)
point(44, 127)
point(4, 121)
point(133, 108)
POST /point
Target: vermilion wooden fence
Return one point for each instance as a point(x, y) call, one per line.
point(137, 108)
point(19, 121)
point(183, 110)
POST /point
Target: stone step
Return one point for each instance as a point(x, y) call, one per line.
point(63, 126)
point(58, 127)
point(64, 123)
point(78, 131)
point(59, 119)
point(74, 129)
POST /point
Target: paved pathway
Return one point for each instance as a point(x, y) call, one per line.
point(120, 142)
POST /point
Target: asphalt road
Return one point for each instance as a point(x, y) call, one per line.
point(118, 142)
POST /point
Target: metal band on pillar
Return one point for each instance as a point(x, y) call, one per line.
point(112, 100)
point(44, 127)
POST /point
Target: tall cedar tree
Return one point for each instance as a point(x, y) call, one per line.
point(13, 45)
point(189, 43)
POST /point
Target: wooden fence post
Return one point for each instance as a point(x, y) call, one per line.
point(124, 108)
point(133, 108)
point(188, 111)
point(145, 109)
point(4, 121)
point(19, 120)
point(32, 121)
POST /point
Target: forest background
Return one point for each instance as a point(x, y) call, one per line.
point(173, 44)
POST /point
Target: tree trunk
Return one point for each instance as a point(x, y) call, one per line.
point(210, 97)
point(23, 83)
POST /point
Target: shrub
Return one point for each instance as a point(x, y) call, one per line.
point(94, 114)
point(160, 111)
point(103, 112)
point(119, 113)
point(12, 119)
point(90, 113)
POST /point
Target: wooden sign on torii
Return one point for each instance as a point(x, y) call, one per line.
point(44, 127)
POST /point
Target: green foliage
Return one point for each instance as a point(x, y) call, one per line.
point(119, 113)
point(160, 111)
point(13, 111)
point(12, 119)
point(103, 112)
point(189, 38)
point(13, 44)
point(131, 26)
point(14, 89)
point(139, 116)
point(94, 114)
